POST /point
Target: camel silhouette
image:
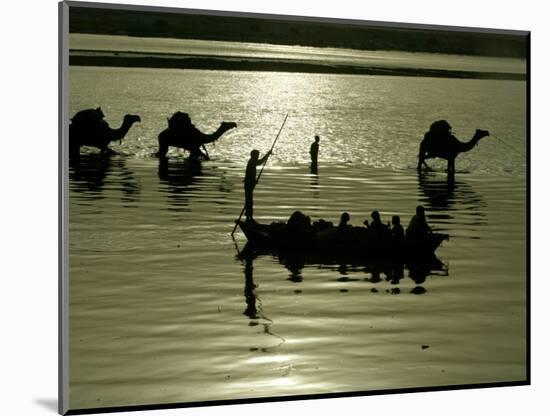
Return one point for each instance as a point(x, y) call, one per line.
point(88, 128)
point(183, 134)
point(440, 142)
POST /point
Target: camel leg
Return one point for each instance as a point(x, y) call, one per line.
point(422, 161)
point(74, 151)
point(206, 157)
point(196, 154)
point(451, 166)
point(163, 149)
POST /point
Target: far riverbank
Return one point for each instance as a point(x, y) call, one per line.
point(78, 57)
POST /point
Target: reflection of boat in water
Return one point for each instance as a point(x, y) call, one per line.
point(345, 263)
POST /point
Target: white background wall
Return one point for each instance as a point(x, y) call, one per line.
point(28, 227)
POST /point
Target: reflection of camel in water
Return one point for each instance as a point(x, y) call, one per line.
point(181, 176)
point(88, 128)
point(88, 175)
point(443, 196)
point(439, 142)
point(181, 133)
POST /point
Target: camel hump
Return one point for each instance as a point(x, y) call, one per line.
point(179, 120)
point(89, 116)
point(440, 128)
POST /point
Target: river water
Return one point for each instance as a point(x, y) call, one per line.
point(163, 311)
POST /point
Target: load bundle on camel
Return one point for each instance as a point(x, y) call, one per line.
point(183, 134)
point(88, 128)
point(440, 142)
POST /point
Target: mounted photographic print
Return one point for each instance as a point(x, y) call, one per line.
point(262, 207)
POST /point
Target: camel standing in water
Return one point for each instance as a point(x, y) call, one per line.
point(88, 128)
point(439, 142)
point(183, 134)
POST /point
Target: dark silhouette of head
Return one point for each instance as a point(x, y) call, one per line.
point(255, 154)
point(395, 220)
point(420, 211)
point(317, 139)
point(375, 216)
point(344, 218)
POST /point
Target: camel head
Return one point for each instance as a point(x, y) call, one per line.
point(480, 134)
point(131, 119)
point(225, 126)
point(228, 125)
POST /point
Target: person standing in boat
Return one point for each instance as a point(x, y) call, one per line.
point(250, 181)
point(314, 152)
point(418, 228)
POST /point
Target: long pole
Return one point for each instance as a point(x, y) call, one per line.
point(260, 174)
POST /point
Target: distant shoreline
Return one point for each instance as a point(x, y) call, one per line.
point(168, 61)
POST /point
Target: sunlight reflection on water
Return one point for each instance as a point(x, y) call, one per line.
point(162, 309)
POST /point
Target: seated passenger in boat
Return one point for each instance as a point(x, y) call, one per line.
point(397, 232)
point(343, 225)
point(299, 222)
point(321, 225)
point(376, 229)
point(418, 228)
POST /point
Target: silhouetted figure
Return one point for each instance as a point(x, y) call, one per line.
point(418, 228)
point(397, 232)
point(321, 225)
point(314, 152)
point(183, 134)
point(440, 142)
point(250, 181)
point(88, 128)
point(314, 169)
point(376, 228)
point(299, 223)
point(343, 224)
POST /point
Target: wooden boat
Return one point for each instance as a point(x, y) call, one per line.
point(351, 242)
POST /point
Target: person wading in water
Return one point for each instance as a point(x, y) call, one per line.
point(250, 181)
point(314, 152)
